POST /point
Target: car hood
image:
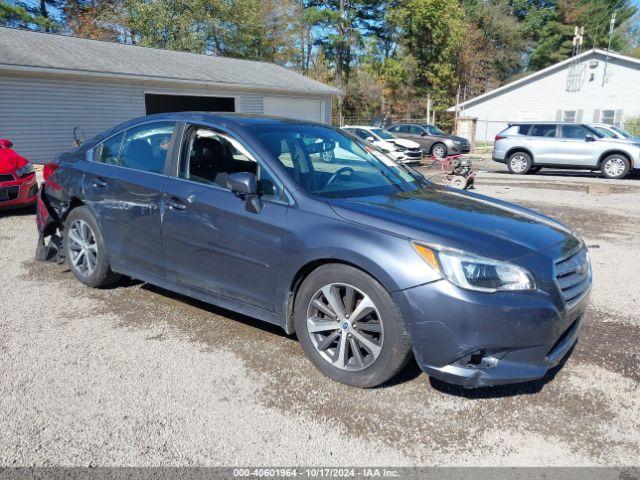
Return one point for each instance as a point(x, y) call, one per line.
point(469, 222)
point(10, 160)
point(385, 145)
point(620, 141)
point(406, 143)
point(455, 138)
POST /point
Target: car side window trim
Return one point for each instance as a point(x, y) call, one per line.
point(185, 131)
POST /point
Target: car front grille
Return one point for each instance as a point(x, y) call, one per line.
point(9, 193)
point(6, 177)
point(413, 153)
point(573, 276)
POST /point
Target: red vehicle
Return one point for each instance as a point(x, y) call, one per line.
point(18, 184)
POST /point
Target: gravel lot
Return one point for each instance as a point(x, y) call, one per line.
point(135, 375)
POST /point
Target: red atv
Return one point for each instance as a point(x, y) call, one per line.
point(18, 184)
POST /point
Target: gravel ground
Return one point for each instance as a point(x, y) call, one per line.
point(137, 376)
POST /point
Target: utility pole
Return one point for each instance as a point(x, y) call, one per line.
point(578, 33)
point(612, 25)
point(339, 72)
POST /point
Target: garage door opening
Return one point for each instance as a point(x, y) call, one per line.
point(185, 103)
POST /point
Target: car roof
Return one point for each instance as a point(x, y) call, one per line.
point(546, 122)
point(364, 127)
point(232, 120)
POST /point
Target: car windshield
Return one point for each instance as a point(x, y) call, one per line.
point(622, 132)
point(384, 134)
point(327, 162)
point(433, 130)
point(605, 132)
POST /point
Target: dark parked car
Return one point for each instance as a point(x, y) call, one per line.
point(432, 140)
point(365, 260)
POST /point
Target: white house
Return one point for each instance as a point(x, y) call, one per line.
point(51, 83)
point(590, 87)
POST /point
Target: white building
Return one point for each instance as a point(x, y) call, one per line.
point(51, 83)
point(578, 89)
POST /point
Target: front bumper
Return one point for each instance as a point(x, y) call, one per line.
point(475, 339)
point(457, 149)
point(19, 192)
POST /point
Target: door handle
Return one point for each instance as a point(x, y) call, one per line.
point(99, 183)
point(174, 203)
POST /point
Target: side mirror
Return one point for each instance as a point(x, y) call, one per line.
point(245, 185)
point(423, 133)
point(370, 139)
point(589, 138)
point(242, 183)
point(4, 143)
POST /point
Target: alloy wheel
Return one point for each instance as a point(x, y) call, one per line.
point(519, 163)
point(345, 326)
point(439, 151)
point(614, 167)
point(82, 246)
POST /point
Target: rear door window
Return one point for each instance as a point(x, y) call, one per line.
point(548, 131)
point(145, 147)
point(109, 151)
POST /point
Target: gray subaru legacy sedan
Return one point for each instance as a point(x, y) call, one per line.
point(303, 226)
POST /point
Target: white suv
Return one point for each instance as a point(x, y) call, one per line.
point(528, 146)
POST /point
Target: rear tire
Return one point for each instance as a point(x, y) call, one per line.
point(615, 167)
point(365, 353)
point(519, 163)
point(85, 250)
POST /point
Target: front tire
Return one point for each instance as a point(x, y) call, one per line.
point(349, 326)
point(615, 167)
point(519, 163)
point(85, 250)
point(439, 150)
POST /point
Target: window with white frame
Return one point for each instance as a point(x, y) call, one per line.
point(608, 116)
point(569, 116)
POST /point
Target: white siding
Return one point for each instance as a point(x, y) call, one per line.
point(39, 114)
point(298, 108)
point(569, 88)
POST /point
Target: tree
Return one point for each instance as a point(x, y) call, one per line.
point(431, 33)
point(556, 35)
point(493, 46)
point(92, 18)
point(28, 16)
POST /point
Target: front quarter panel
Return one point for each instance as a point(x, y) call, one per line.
point(390, 259)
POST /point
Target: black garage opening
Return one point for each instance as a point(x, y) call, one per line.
point(185, 103)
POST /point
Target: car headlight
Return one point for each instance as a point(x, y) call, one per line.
point(28, 169)
point(477, 273)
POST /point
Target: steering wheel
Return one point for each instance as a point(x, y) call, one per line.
point(339, 172)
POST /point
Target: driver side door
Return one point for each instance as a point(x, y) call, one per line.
point(210, 239)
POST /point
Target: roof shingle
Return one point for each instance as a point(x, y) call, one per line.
point(69, 55)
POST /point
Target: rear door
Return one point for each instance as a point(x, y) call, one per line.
point(123, 187)
point(210, 239)
point(99, 187)
point(141, 177)
point(542, 142)
point(573, 148)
